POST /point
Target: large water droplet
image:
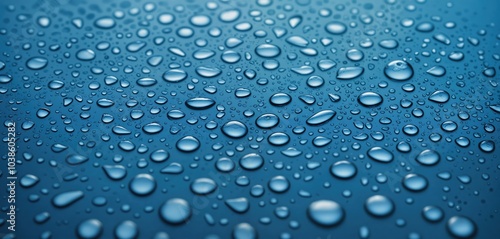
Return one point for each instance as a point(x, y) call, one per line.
point(142, 184)
point(439, 96)
point(336, 28)
point(350, 72)
point(415, 182)
point(67, 198)
point(428, 157)
point(105, 23)
point(321, 117)
point(343, 169)
point(234, 129)
point(37, 63)
point(89, 229)
point(379, 206)
point(127, 230)
point(188, 144)
point(398, 70)
point(251, 161)
point(267, 50)
point(203, 186)
point(461, 227)
point(380, 154)
point(175, 211)
point(279, 184)
point(326, 213)
point(370, 99)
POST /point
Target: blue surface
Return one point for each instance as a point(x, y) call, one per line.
point(78, 108)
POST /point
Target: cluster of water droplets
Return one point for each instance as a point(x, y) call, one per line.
point(191, 115)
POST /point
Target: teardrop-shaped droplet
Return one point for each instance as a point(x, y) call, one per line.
point(439, 96)
point(350, 72)
point(239, 205)
point(321, 117)
point(437, 71)
point(67, 198)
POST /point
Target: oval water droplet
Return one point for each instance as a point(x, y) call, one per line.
point(89, 229)
point(380, 154)
point(379, 206)
point(188, 144)
point(251, 161)
point(325, 213)
point(369, 99)
point(343, 169)
point(203, 186)
point(234, 129)
point(398, 70)
point(175, 211)
point(321, 117)
point(142, 184)
point(461, 227)
point(350, 72)
point(428, 157)
point(336, 28)
point(67, 198)
point(37, 63)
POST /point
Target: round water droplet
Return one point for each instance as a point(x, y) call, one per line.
point(225, 165)
point(354, 55)
point(203, 186)
point(244, 231)
point(267, 50)
point(251, 161)
point(326, 213)
point(105, 23)
point(343, 169)
point(380, 154)
point(89, 229)
point(428, 157)
point(487, 146)
point(315, 81)
point(175, 211)
point(336, 28)
point(279, 184)
point(370, 99)
point(415, 182)
point(432, 213)
point(188, 144)
point(410, 129)
point(388, 44)
point(379, 206)
point(37, 63)
point(174, 75)
point(398, 70)
point(278, 139)
point(267, 121)
point(85, 55)
point(142, 184)
point(126, 230)
point(461, 227)
point(280, 99)
point(200, 20)
point(234, 129)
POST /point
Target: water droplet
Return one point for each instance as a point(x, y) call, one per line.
point(432, 213)
point(388, 44)
point(126, 230)
point(142, 184)
point(437, 71)
point(326, 213)
point(278, 139)
point(85, 55)
point(234, 129)
point(244, 231)
point(175, 211)
point(146, 81)
point(251, 161)
point(208, 72)
point(67, 198)
point(321, 117)
point(297, 41)
point(89, 229)
point(350, 72)
point(379, 206)
point(315, 81)
point(105, 23)
point(415, 182)
point(203, 186)
point(398, 70)
point(279, 184)
point(487, 146)
point(174, 75)
point(4, 79)
point(370, 99)
point(29, 180)
point(188, 144)
point(428, 157)
point(37, 63)
point(115, 172)
point(75, 159)
point(230, 15)
point(456, 56)
point(425, 27)
point(336, 28)
point(267, 50)
point(280, 99)
point(439, 96)
point(267, 121)
point(200, 20)
point(343, 169)
point(461, 227)
point(239, 205)
point(380, 154)
point(354, 55)
point(225, 164)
